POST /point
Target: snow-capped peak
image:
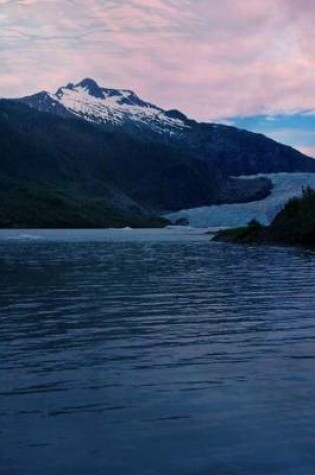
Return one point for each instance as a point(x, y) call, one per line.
point(91, 87)
point(87, 84)
point(90, 101)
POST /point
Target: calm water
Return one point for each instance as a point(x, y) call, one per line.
point(154, 353)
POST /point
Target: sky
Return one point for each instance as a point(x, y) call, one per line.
point(295, 129)
point(212, 59)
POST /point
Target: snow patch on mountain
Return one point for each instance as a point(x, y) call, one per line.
point(114, 106)
point(285, 186)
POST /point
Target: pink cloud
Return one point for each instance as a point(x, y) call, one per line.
point(211, 59)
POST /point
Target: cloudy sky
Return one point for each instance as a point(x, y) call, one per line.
point(211, 59)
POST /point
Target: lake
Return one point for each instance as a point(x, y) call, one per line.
point(155, 353)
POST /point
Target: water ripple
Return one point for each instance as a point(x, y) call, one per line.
point(148, 355)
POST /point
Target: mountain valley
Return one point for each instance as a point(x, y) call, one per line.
point(99, 157)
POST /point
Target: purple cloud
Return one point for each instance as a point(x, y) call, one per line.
point(211, 59)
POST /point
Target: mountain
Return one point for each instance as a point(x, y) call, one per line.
point(228, 151)
point(77, 169)
point(112, 108)
point(93, 156)
point(295, 128)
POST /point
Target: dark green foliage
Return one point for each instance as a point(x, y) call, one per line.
point(254, 224)
point(60, 172)
point(295, 224)
point(246, 234)
point(44, 207)
point(41, 147)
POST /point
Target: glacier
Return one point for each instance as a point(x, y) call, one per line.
point(285, 186)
